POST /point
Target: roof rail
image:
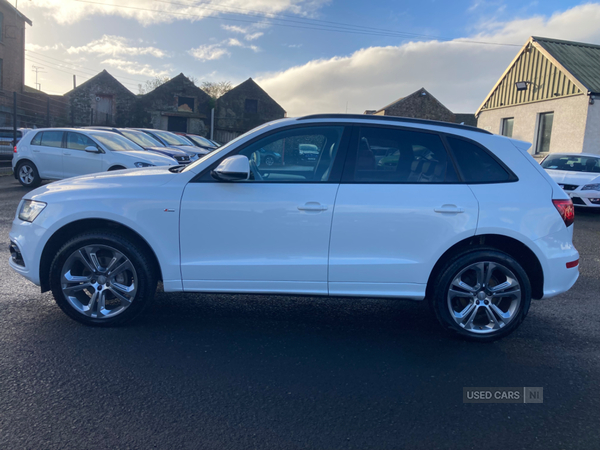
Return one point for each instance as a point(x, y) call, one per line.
point(395, 119)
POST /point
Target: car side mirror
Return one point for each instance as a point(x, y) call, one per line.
point(234, 168)
point(91, 149)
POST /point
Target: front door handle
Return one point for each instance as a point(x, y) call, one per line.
point(312, 206)
point(66, 154)
point(449, 209)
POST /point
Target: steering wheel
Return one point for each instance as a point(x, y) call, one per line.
point(255, 172)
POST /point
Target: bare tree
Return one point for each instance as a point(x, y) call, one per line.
point(150, 85)
point(216, 88)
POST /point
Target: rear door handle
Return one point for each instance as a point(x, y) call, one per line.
point(312, 206)
point(449, 209)
point(66, 154)
point(36, 151)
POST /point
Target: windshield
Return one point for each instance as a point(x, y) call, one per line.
point(141, 138)
point(201, 141)
point(115, 142)
point(172, 139)
point(572, 163)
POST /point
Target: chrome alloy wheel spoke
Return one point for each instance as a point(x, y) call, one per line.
point(99, 281)
point(484, 297)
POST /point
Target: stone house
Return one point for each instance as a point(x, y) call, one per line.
point(101, 100)
point(549, 95)
point(242, 108)
point(422, 105)
point(177, 105)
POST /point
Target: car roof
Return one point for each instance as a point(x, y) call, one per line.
point(588, 155)
point(370, 118)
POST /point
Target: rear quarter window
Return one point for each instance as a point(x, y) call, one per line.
point(37, 139)
point(476, 164)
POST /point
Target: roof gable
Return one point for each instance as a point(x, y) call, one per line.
point(6, 3)
point(408, 98)
point(546, 76)
point(102, 77)
point(580, 59)
point(178, 83)
point(249, 86)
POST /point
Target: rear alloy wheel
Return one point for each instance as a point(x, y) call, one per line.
point(483, 296)
point(28, 174)
point(102, 279)
point(269, 161)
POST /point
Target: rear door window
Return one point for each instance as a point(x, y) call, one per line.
point(52, 138)
point(389, 155)
point(476, 164)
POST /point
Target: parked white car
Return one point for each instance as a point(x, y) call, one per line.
point(57, 153)
point(474, 225)
point(578, 174)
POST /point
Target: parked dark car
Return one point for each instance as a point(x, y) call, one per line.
point(199, 141)
point(173, 140)
point(149, 143)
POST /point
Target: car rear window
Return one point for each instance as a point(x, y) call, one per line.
point(387, 155)
point(476, 164)
point(52, 138)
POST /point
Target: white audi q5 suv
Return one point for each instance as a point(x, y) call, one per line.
point(389, 207)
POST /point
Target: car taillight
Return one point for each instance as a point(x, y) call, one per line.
point(15, 149)
point(566, 210)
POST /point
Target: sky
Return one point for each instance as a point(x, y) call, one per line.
point(311, 56)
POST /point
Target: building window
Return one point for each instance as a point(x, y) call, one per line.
point(185, 104)
point(507, 126)
point(544, 132)
point(251, 106)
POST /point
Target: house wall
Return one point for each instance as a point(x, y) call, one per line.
point(568, 128)
point(591, 142)
point(12, 50)
point(82, 101)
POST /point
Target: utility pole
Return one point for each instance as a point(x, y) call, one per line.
point(74, 81)
point(37, 69)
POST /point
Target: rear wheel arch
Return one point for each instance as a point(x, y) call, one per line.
point(514, 248)
point(67, 232)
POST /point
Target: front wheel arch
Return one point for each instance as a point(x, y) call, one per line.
point(65, 233)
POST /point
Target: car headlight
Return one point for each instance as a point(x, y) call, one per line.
point(142, 164)
point(591, 187)
point(30, 209)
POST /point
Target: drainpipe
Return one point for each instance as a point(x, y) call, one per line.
point(212, 122)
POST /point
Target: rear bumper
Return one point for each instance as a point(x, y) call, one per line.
point(558, 250)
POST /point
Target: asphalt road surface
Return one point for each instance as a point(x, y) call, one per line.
point(273, 372)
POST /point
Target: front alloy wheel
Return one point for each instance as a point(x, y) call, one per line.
point(99, 281)
point(103, 278)
point(28, 174)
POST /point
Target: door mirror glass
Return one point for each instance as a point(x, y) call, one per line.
point(91, 149)
point(234, 168)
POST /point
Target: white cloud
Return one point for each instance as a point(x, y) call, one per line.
point(246, 31)
point(134, 68)
point(148, 13)
point(458, 74)
point(208, 52)
point(115, 46)
point(40, 48)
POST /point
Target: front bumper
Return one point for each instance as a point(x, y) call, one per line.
point(27, 237)
point(590, 199)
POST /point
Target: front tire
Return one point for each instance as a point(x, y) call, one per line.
point(269, 161)
point(102, 278)
point(28, 174)
point(483, 295)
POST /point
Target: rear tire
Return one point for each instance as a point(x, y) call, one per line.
point(28, 174)
point(102, 278)
point(483, 295)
